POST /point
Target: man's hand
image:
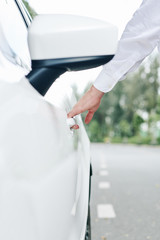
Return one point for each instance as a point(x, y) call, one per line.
point(90, 101)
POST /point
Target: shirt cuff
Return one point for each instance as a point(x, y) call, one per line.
point(104, 82)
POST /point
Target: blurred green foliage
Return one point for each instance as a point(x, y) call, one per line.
point(130, 113)
point(29, 8)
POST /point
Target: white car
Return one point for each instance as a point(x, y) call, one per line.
point(44, 164)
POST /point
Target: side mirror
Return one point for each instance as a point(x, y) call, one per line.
point(60, 43)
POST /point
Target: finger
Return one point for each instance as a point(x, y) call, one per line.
point(75, 127)
point(75, 111)
point(89, 117)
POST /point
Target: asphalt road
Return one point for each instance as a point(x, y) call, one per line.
point(125, 198)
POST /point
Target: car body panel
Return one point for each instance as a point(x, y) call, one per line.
point(66, 36)
point(44, 174)
point(44, 166)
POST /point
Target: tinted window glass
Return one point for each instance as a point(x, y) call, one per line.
point(13, 34)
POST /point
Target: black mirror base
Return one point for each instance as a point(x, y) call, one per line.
point(45, 72)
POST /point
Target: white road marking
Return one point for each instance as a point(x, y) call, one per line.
point(103, 160)
point(103, 173)
point(103, 166)
point(104, 185)
point(105, 211)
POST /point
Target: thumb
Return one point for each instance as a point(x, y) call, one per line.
point(70, 114)
point(73, 112)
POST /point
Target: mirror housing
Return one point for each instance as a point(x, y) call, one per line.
point(69, 36)
point(60, 43)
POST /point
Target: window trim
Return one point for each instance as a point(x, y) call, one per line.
point(24, 13)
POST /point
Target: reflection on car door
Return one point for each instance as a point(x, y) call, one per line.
point(44, 165)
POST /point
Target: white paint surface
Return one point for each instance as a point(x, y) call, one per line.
point(65, 36)
point(40, 162)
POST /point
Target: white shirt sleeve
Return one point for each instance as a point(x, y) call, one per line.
point(138, 40)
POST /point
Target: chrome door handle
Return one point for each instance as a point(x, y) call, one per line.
point(71, 122)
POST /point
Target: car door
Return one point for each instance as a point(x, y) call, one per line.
point(44, 164)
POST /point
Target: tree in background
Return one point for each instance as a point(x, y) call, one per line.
point(29, 8)
point(131, 111)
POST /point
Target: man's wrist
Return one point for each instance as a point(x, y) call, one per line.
point(96, 92)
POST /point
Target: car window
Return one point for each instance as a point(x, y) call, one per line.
point(13, 35)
